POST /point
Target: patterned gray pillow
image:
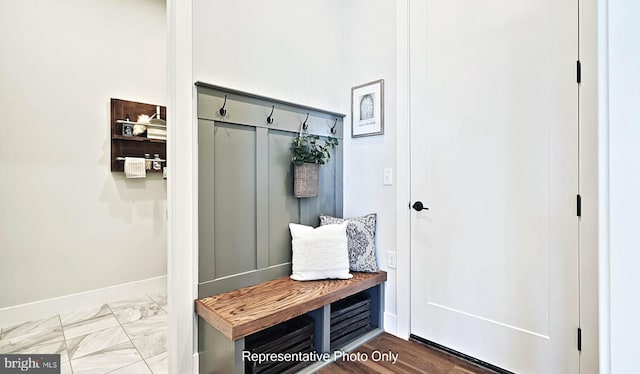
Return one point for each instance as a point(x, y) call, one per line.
point(361, 234)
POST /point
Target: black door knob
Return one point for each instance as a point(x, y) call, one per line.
point(418, 206)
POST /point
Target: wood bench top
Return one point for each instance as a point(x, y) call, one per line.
point(248, 310)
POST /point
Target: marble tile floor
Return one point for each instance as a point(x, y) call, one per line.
point(121, 337)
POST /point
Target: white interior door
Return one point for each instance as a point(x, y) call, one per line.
point(494, 156)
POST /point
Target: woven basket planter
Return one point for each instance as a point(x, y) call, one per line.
point(305, 180)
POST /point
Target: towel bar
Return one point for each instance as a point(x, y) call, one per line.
point(149, 159)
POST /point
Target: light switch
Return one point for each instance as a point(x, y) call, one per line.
point(391, 260)
point(388, 177)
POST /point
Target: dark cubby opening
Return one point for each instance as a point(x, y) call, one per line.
point(350, 318)
point(293, 336)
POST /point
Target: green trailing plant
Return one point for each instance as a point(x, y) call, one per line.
point(309, 148)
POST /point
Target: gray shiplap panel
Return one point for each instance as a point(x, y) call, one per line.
point(235, 199)
point(262, 198)
point(328, 195)
point(327, 191)
point(283, 206)
point(205, 201)
point(309, 211)
point(339, 160)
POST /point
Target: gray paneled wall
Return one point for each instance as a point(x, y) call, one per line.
point(245, 186)
point(283, 207)
point(234, 197)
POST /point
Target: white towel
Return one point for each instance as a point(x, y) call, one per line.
point(134, 167)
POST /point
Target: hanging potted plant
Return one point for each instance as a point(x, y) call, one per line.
point(309, 152)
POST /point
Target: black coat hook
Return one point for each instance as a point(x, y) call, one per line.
point(304, 124)
point(223, 111)
point(333, 128)
point(270, 118)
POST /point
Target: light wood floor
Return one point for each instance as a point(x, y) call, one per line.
point(412, 358)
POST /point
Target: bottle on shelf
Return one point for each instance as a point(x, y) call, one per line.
point(157, 165)
point(147, 161)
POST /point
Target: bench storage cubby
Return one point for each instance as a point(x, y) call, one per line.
point(293, 336)
point(350, 318)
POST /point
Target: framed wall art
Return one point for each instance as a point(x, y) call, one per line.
point(367, 109)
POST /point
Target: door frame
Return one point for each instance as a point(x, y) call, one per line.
point(182, 194)
point(588, 179)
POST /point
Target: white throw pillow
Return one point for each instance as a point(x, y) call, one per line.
point(319, 253)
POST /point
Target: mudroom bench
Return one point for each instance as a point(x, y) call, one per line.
point(286, 316)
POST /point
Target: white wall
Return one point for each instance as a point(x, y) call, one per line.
point(67, 224)
point(369, 54)
point(624, 183)
point(285, 49)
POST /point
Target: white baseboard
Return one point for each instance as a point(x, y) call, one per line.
point(390, 323)
point(63, 304)
point(196, 363)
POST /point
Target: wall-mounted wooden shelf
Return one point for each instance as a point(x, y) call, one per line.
point(138, 139)
point(133, 146)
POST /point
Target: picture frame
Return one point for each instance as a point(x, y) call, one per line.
point(367, 109)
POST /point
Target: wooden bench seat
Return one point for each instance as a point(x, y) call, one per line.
point(245, 311)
